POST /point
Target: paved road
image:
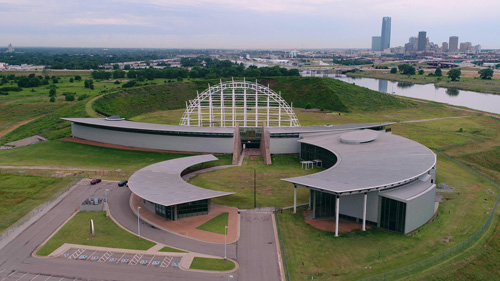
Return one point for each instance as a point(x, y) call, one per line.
point(257, 248)
point(120, 210)
point(16, 259)
point(255, 251)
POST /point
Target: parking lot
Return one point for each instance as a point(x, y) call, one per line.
point(24, 276)
point(131, 259)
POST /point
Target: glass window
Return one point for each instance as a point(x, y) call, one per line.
point(393, 215)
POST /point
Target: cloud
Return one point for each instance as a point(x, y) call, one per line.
point(108, 21)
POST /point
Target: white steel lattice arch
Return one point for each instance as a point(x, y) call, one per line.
point(249, 103)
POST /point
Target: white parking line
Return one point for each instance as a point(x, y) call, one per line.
point(151, 260)
point(22, 276)
point(61, 278)
point(120, 258)
point(90, 257)
point(9, 275)
point(2, 270)
point(48, 278)
point(35, 277)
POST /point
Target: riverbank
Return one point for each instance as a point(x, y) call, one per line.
point(466, 83)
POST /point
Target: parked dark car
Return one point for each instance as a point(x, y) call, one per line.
point(95, 181)
point(122, 183)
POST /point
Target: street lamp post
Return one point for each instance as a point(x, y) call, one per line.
point(107, 206)
point(138, 222)
point(229, 277)
point(225, 243)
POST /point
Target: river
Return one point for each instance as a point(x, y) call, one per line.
point(470, 99)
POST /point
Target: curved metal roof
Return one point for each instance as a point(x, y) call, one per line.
point(385, 162)
point(162, 183)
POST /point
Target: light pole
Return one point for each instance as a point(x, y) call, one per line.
point(107, 206)
point(229, 277)
point(138, 222)
point(225, 243)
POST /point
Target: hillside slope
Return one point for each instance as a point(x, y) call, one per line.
point(303, 92)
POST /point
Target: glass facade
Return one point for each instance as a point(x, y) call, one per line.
point(324, 204)
point(310, 152)
point(191, 209)
point(392, 214)
point(166, 212)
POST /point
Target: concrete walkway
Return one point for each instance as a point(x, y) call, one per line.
point(188, 226)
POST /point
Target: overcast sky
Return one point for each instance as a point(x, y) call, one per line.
point(246, 24)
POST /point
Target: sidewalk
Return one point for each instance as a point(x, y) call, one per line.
point(187, 226)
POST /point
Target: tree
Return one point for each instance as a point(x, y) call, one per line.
point(71, 80)
point(486, 73)
point(78, 78)
point(394, 70)
point(52, 99)
point(127, 67)
point(116, 66)
point(438, 72)
point(420, 72)
point(454, 74)
point(89, 83)
point(69, 97)
point(52, 92)
point(406, 69)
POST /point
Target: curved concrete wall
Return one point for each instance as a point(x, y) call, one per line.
point(202, 144)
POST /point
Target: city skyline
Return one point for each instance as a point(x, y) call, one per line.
point(245, 24)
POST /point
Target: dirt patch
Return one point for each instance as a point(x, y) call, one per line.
point(328, 224)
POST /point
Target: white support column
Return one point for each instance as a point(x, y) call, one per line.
point(234, 115)
point(314, 204)
point(279, 116)
point(210, 110)
point(267, 110)
point(245, 106)
point(337, 207)
point(199, 108)
point(364, 212)
point(294, 199)
point(188, 114)
point(222, 106)
point(256, 104)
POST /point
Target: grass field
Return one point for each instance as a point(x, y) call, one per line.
point(107, 234)
point(271, 190)
point(474, 140)
point(19, 194)
point(67, 154)
point(211, 264)
point(376, 251)
point(217, 224)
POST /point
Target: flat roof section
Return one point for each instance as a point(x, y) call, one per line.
point(124, 124)
point(408, 192)
point(162, 183)
point(388, 160)
point(323, 128)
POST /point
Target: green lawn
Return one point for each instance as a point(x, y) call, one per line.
point(217, 224)
point(107, 234)
point(19, 194)
point(171, 250)
point(211, 264)
point(67, 154)
point(271, 190)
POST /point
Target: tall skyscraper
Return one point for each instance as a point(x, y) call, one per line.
point(453, 47)
point(386, 33)
point(444, 48)
point(422, 40)
point(376, 43)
